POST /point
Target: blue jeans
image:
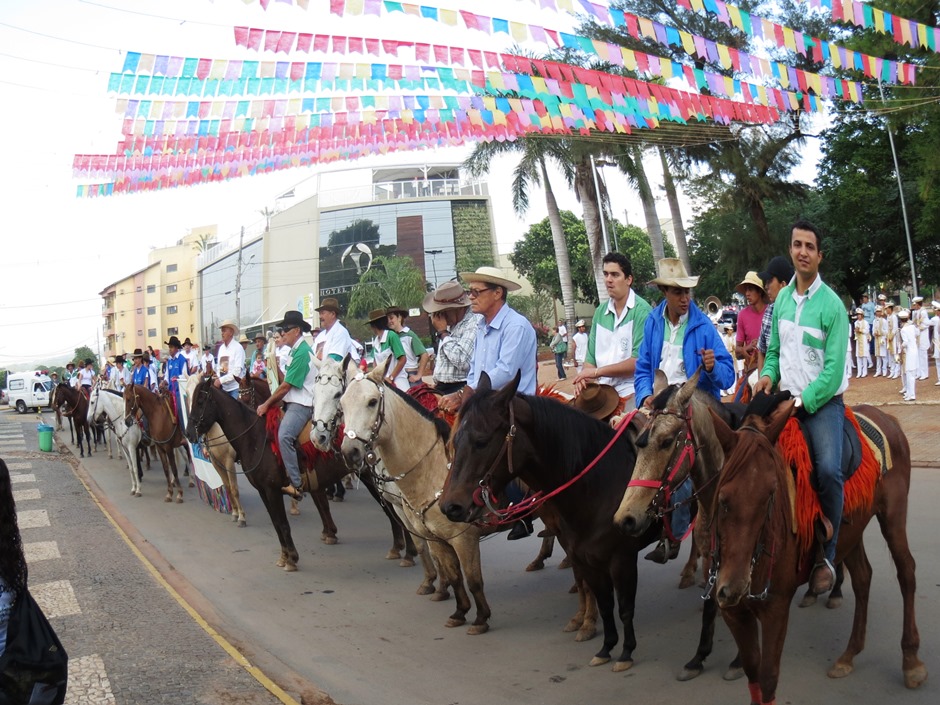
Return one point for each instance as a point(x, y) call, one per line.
point(681, 517)
point(295, 418)
point(559, 365)
point(824, 429)
point(234, 394)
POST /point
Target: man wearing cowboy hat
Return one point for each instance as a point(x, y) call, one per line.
point(920, 320)
point(333, 340)
point(142, 373)
point(297, 392)
point(678, 339)
point(580, 342)
point(117, 376)
point(257, 364)
point(231, 359)
point(750, 317)
point(207, 361)
point(862, 355)
point(505, 342)
point(456, 326)
point(177, 365)
point(416, 355)
point(807, 357)
point(879, 332)
point(616, 330)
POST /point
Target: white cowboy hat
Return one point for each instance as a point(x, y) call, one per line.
point(672, 272)
point(229, 323)
point(491, 275)
point(750, 279)
point(446, 296)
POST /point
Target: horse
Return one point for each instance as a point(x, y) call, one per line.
point(164, 432)
point(375, 416)
point(76, 410)
point(108, 405)
point(758, 547)
point(248, 435)
point(221, 454)
point(583, 465)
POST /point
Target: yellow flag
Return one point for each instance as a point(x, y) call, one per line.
point(448, 17)
point(629, 58)
point(688, 44)
point(789, 40)
point(518, 31)
point(724, 57)
point(646, 28)
point(496, 80)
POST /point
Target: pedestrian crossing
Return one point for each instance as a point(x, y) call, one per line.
point(88, 678)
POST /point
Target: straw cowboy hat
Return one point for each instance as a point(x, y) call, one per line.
point(243, 339)
point(293, 319)
point(936, 305)
point(260, 336)
point(229, 323)
point(859, 312)
point(376, 314)
point(597, 400)
point(328, 304)
point(446, 296)
point(672, 272)
point(491, 275)
point(750, 279)
point(882, 297)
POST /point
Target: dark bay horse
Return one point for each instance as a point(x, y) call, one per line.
point(164, 432)
point(757, 547)
point(74, 406)
point(547, 444)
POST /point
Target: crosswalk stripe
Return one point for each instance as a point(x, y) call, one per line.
point(24, 495)
point(56, 598)
point(32, 518)
point(41, 551)
point(88, 682)
point(25, 477)
point(19, 466)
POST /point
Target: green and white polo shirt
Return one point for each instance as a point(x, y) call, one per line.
point(616, 338)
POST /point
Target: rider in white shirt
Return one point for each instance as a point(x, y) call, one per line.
point(231, 359)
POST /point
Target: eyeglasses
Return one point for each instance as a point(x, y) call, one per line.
point(474, 293)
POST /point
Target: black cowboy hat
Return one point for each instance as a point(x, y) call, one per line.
point(173, 342)
point(187, 342)
point(294, 319)
point(137, 353)
point(118, 359)
point(89, 361)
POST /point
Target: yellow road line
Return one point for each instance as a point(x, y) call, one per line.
point(255, 672)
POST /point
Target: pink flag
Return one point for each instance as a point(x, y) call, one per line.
point(271, 38)
point(241, 36)
point(304, 41)
point(337, 7)
point(286, 41)
point(254, 38)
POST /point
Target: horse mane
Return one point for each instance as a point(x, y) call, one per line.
point(114, 392)
point(441, 426)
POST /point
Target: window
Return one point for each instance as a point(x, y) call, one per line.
point(171, 309)
point(151, 332)
point(172, 331)
point(151, 288)
point(151, 310)
point(171, 289)
point(139, 311)
point(171, 268)
point(140, 333)
point(138, 288)
point(16, 384)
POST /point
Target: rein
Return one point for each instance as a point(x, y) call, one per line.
point(137, 407)
point(482, 496)
point(371, 456)
point(207, 445)
point(318, 424)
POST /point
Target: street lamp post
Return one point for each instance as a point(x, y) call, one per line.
point(434, 254)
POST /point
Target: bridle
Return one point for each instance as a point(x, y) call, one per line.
point(320, 425)
point(199, 404)
point(133, 413)
point(371, 457)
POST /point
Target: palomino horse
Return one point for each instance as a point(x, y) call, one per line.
point(247, 432)
point(108, 405)
point(75, 407)
point(582, 464)
point(757, 543)
point(164, 431)
point(220, 453)
point(376, 415)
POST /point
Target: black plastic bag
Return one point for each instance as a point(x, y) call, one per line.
point(34, 666)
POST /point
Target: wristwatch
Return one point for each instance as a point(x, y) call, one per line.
point(798, 403)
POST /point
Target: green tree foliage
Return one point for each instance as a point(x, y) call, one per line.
point(538, 307)
point(472, 236)
point(85, 353)
point(391, 280)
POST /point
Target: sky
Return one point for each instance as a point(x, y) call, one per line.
point(59, 251)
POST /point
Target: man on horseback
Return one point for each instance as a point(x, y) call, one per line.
point(177, 367)
point(678, 339)
point(333, 340)
point(231, 359)
point(296, 390)
point(806, 356)
point(456, 327)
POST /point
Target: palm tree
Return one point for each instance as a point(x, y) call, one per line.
point(390, 281)
point(630, 161)
point(670, 162)
point(532, 171)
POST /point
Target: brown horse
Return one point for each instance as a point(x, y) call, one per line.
point(757, 548)
point(74, 405)
point(164, 432)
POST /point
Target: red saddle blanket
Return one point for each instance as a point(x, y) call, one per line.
point(309, 453)
point(859, 491)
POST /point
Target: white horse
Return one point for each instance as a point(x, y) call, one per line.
point(108, 404)
point(220, 454)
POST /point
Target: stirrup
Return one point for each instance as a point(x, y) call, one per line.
point(295, 493)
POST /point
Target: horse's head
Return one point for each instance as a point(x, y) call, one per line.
point(96, 412)
point(332, 378)
point(363, 409)
point(481, 444)
point(749, 487)
point(661, 465)
point(203, 411)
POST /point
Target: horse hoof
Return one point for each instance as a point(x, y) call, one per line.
point(809, 599)
point(840, 670)
point(834, 603)
point(192, 484)
point(179, 500)
point(534, 566)
point(573, 625)
point(915, 677)
point(733, 674)
point(392, 555)
point(687, 674)
point(168, 498)
point(585, 634)
point(137, 494)
point(565, 563)
point(330, 540)
point(573, 590)
point(621, 666)
point(406, 563)
point(281, 562)
point(478, 629)
point(424, 589)
point(290, 568)
point(440, 596)
point(455, 622)
point(242, 524)
point(599, 660)
point(294, 510)
point(686, 581)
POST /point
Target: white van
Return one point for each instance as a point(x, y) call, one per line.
point(28, 390)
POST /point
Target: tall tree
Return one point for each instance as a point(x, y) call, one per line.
point(672, 197)
point(391, 280)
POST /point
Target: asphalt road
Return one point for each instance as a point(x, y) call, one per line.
point(349, 621)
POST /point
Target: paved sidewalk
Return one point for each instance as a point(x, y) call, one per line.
point(129, 641)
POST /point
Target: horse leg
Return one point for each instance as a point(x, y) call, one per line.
point(164, 460)
point(860, 570)
point(328, 535)
point(625, 575)
point(176, 479)
point(401, 539)
point(273, 501)
point(835, 595)
point(894, 529)
point(430, 572)
point(187, 458)
point(774, 622)
point(545, 551)
point(448, 566)
point(71, 429)
point(467, 548)
point(687, 576)
point(585, 619)
point(743, 626)
point(695, 667)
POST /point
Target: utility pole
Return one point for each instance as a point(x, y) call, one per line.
point(434, 254)
point(600, 206)
point(238, 281)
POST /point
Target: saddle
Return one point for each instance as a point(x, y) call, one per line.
point(862, 469)
point(308, 453)
point(429, 397)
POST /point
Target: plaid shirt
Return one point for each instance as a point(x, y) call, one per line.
point(455, 352)
point(764, 338)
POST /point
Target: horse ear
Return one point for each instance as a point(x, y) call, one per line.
point(778, 419)
point(660, 382)
point(344, 366)
point(316, 361)
point(388, 365)
point(687, 389)
point(485, 383)
point(377, 374)
point(726, 437)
